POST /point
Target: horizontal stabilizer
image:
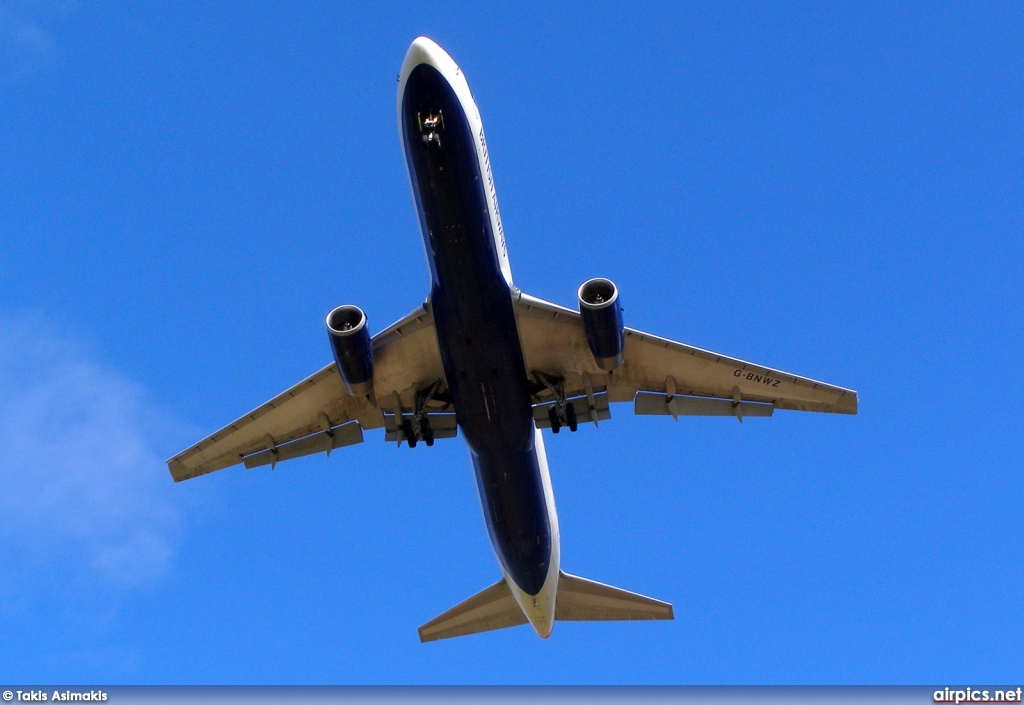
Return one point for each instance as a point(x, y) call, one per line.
point(582, 600)
point(493, 608)
point(577, 600)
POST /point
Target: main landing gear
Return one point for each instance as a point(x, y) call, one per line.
point(417, 428)
point(562, 412)
point(415, 433)
point(557, 420)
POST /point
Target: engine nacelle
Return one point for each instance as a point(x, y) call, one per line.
point(353, 351)
point(602, 321)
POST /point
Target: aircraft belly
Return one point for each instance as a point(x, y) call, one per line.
point(476, 327)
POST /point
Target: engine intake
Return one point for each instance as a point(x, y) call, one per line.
point(353, 351)
point(602, 321)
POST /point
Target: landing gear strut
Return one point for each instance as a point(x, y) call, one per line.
point(562, 412)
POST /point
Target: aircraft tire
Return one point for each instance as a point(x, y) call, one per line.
point(410, 437)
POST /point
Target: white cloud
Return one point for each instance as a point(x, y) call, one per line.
point(82, 489)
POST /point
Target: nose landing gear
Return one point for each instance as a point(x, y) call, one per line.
point(431, 125)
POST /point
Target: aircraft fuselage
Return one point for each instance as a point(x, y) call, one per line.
point(471, 298)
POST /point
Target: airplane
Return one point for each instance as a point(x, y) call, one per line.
point(482, 358)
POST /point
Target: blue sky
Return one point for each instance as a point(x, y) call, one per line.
point(833, 191)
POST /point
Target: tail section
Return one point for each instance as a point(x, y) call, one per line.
point(577, 600)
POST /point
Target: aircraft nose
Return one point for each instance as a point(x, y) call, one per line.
point(424, 44)
point(424, 50)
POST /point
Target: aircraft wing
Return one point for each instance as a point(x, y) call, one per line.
point(318, 414)
point(660, 376)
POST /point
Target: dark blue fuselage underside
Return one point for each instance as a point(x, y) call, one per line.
point(476, 328)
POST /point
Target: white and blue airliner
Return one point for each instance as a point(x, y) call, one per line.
point(481, 358)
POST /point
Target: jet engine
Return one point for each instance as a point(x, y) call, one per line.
point(602, 321)
point(353, 351)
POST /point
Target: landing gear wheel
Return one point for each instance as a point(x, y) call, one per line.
point(556, 423)
point(410, 437)
point(428, 433)
point(570, 417)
